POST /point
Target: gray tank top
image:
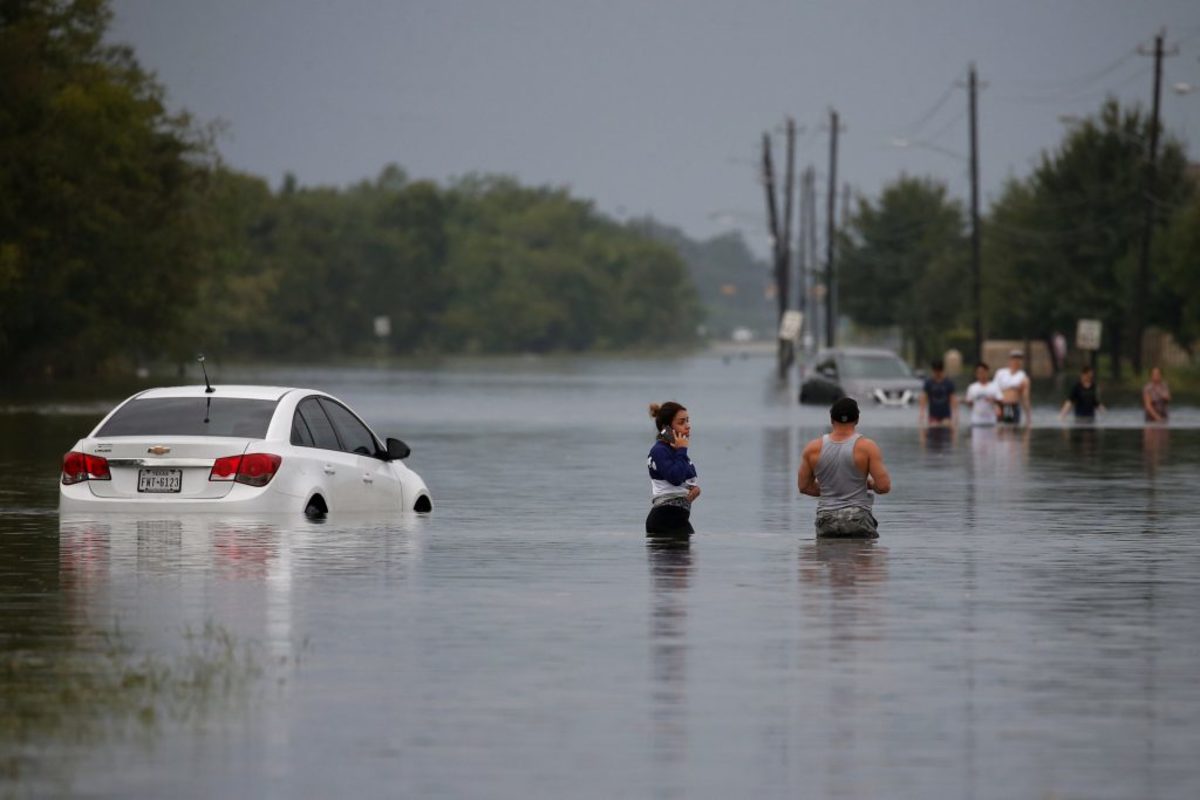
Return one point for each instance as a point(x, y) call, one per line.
point(842, 485)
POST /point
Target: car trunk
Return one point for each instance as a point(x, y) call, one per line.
point(157, 468)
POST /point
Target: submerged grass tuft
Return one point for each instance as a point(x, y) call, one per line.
point(100, 688)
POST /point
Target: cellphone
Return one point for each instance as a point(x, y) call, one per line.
point(667, 435)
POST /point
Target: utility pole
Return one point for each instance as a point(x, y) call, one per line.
point(783, 263)
point(806, 260)
point(1141, 291)
point(830, 237)
point(976, 267)
point(776, 238)
point(813, 252)
point(804, 233)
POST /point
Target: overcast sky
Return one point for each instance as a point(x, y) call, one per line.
point(653, 106)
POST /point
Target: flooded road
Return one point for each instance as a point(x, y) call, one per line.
point(1028, 624)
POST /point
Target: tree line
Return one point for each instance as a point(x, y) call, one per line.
point(1059, 245)
point(124, 240)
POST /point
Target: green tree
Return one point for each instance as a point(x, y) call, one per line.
point(1176, 296)
point(902, 262)
point(535, 270)
point(1062, 244)
point(730, 281)
point(95, 243)
point(405, 255)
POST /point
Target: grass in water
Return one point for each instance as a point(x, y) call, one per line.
point(54, 702)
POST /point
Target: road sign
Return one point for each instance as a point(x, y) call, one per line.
point(1087, 334)
point(790, 325)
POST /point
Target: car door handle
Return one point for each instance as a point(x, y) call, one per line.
point(329, 470)
point(368, 478)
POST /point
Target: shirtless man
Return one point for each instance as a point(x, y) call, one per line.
point(1013, 384)
point(841, 470)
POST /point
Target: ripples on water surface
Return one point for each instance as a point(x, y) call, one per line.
point(1027, 626)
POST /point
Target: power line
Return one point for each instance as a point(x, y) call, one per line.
point(950, 123)
point(1078, 82)
point(912, 130)
point(1074, 96)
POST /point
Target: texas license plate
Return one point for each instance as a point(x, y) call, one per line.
point(160, 480)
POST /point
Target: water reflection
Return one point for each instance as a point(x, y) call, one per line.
point(671, 565)
point(937, 439)
point(779, 477)
point(1156, 441)
point(845, 577)
point(127, 567)
point(1083, 441)
point(849, 568)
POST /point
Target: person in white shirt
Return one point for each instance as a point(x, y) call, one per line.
point(1013, 384)
point(983, 397)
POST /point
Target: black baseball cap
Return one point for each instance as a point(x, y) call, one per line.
point(844, 410)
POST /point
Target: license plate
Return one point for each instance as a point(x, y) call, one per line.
point(160, 480)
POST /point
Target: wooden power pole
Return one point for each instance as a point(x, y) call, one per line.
point(831, 237)
point(976, 266)
point(1141, 291)
point(781, 234)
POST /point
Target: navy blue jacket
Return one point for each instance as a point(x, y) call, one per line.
point(669, 464)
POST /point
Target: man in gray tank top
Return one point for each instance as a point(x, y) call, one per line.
point(841, 470)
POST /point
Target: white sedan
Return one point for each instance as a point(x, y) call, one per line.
point(237, 449)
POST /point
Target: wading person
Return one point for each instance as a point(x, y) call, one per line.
point(1013, 384)
point(939, 404)
point(673, 485)
point(1155, 397)
point(841, 470)
point(983, 397)
point(1084, 397)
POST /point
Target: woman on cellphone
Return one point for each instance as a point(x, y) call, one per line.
point(673, 485)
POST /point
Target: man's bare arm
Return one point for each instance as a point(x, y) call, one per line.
point(806, 478)
point(877, 475)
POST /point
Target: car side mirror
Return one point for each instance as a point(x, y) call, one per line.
point(397, 450)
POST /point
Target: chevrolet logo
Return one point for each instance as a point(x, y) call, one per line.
point(158, 450)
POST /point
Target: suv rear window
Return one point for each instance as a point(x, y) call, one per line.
point(191, 416)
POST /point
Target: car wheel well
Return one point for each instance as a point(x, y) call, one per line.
point(316, 507)
point(423, 505)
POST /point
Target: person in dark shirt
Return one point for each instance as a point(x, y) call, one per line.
point(1084, 397)
point(939, 403)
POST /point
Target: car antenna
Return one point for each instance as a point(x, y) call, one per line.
point(208, 389)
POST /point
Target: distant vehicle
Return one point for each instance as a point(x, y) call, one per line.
point(866, 374)
point(742, 335)
point(237, 449)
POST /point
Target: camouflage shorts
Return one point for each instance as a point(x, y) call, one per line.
point(851, 521)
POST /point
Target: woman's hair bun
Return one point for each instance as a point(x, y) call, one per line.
point(654, 409)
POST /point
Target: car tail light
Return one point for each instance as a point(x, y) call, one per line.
point(252, 469)
point(225, 468)
point(257, 469)
point(78, 467)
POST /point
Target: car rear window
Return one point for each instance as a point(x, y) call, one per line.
point(191, 416)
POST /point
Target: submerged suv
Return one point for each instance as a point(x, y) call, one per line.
point(866, 374)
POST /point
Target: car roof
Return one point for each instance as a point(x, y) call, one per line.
point(240, 392)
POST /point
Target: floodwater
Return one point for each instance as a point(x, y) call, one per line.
point(1028, 624)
